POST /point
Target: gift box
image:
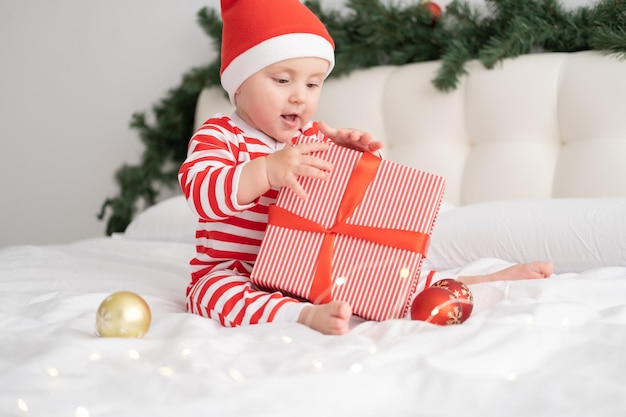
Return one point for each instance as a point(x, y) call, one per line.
point(360, 236)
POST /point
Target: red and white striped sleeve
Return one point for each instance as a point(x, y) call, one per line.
point(210, 174)
point(228, 234)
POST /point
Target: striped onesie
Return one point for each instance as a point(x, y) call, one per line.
point(229, 235)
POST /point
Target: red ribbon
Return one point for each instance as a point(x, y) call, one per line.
point(359, 181)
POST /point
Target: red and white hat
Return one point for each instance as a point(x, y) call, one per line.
point(258, 33)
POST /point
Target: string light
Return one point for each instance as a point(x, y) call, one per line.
point(166, 371)
point(21, 404)
point(236, 375)
point(133, 354)
point(81, 412)
point(356, 368)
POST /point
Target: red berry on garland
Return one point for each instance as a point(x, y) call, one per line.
point(437, 306)
point(434, 9)
point(461, 292)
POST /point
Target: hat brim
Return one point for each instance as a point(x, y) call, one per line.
point(271, 51)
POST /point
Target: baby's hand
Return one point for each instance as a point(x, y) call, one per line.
point(283, 167)
point(351, 138)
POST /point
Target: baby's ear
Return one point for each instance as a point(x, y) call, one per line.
point(237, 91)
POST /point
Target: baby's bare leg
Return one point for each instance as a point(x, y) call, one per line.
point(331, 318)
point(530, 270)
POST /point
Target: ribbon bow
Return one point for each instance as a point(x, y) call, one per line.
point(357, 185)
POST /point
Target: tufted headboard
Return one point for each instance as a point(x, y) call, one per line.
point(537, 126)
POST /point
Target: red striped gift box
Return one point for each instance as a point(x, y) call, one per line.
point(360, 237)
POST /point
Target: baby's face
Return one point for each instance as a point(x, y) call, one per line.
point(282, 98)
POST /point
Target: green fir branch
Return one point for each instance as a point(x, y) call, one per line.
point(369, 33)
point(610, 40)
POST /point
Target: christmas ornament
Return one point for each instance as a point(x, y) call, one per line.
point(123, 314)
point(461, 292)
point(437, 306)
point(435, 10)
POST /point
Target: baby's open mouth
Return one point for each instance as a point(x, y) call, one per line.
point(290, 117)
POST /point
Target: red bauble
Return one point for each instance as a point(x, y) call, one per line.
point(437, 306)
point(461, 292)
point(435, 10)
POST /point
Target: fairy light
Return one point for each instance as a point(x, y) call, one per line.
point(21, 405)
point(405, 273)
point(512, 377)
point(81, 412)
point(185, 353)
point(340, 281)
point(166, 371)
point(53, 372)
point(236, 375)
point(95, 356)
point(133, 354)
point(317, 365)
point(356, 368)
point(287, 339)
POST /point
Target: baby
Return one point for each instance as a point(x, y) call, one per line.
point(276, 55)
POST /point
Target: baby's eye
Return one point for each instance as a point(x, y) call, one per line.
point(313, 85)
point(281, 80)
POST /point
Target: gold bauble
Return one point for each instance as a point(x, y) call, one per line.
point(123, 314)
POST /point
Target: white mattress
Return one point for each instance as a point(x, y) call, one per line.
point(550, 347)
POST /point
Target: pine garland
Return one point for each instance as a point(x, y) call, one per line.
point(371, 33)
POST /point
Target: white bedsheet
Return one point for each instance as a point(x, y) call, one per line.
point(553, 347)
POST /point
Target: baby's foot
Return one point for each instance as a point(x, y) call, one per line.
point(331, 318)
point(530, 270)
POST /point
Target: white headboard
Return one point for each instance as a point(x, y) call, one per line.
point(538, 126)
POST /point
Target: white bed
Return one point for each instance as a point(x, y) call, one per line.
point(550, 347)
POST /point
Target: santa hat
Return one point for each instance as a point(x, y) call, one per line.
point(258, 33)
